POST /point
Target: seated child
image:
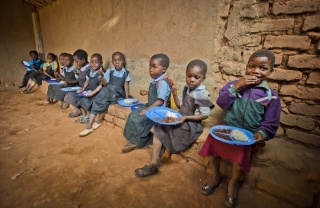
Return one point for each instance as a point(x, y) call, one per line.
point(138, 125)
point(195, 106)
point(68, 76)
point(47, 71)
point(115, 85)
point(250, 105)
point(93, 83)
point(36, 63)
point(80, 58)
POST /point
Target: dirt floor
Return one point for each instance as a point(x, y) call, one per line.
point(44, 163)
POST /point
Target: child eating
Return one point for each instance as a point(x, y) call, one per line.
point(250, 105)
point(195, 105)
point(138, 125)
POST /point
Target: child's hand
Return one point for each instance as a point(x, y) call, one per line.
point(245, 81)
point(173, 87)
point(258, 137)
point(182, 119)
point(143, 112)
point(75, 71)
point(80, 91)
point(65, 83)
point(100, 71)
point(56, 74)
point(143, 92)
point(90, 94)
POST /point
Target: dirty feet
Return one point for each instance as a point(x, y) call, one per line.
point(128, 148)
point(147, 170)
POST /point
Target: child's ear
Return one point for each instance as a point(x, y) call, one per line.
point(204, 78)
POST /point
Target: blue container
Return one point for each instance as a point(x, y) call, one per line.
point(136, 106)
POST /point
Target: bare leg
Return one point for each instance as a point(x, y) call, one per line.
point(83, 111)
point(216, 170)
point(233, 186)
point(100, 117)
point(157, 145)
point(91, 120)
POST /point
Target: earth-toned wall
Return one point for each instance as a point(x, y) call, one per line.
point(16, 39)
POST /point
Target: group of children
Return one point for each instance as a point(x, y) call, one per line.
point(249, 102)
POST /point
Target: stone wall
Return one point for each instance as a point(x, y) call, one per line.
point(16, 39)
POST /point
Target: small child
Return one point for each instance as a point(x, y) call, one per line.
point(115, 86)
point(195, 106)
point(138, 125)
point(68, 76)
point(93, 83)
point(80, 58)
point(251, 105)
point(51, 66)
point(36, 63)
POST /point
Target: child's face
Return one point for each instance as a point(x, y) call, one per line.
point(194, 77)
point(49, 59)
point(155, 69)
point(118, 61)
point(33, 56)
point(79, 62)
point(67, 61)
point(95, 63)
point(61, 60)
point(260, 67)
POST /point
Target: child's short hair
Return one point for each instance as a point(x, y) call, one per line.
point(264, 53)
point(201, 64)
point(54, 57)
point(97, 55)
point(64, 54)
point(164, 59)
point(33, 52)
point(81, 54)
point(68, 55)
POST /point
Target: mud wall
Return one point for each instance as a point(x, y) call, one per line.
point(16, 39)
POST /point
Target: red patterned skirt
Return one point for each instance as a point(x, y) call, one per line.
point(233, 153)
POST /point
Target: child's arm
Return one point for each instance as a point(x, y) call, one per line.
point(85, 85)
point(270, 123)
point(126, 89)
point(197, 117)
point(95, 91)
point(174, 91)
point(58, 75)
point(103, 76)
point(158, 102)
point(48, 75)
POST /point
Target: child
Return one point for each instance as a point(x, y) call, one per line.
point(68, 76)
point(51, 66)
point(116, 85)
point(251, 105)
point(195, 106)
point(80, 58)
point(137, 128)
point(36, 63)
point(93, 83)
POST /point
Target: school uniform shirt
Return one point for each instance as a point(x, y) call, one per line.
point(163, 89)
point(54, 65)
point(116, 74)
point(92, 74)
point(67, 69)
point(37, 64)
point(199, 93)
point(82, 69)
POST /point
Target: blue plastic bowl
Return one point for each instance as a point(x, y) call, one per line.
point(136, 106)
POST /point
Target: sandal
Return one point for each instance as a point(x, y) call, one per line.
point(86, 132)
point(83, 119)
point(147, 170)
point(128, 148)
point(231, 202)
point(208, 190)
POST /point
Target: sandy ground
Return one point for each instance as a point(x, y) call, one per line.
point(44, 163)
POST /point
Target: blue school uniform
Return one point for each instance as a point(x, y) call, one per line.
point(113, 91)
point(137, 128)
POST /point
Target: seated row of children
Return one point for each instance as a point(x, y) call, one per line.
point(249, 102)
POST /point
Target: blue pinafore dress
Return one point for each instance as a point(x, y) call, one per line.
point(137, 128)
point(86, 102)
point(109, 94)
point(69, 76)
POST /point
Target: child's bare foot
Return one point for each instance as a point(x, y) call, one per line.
point(64, 106)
